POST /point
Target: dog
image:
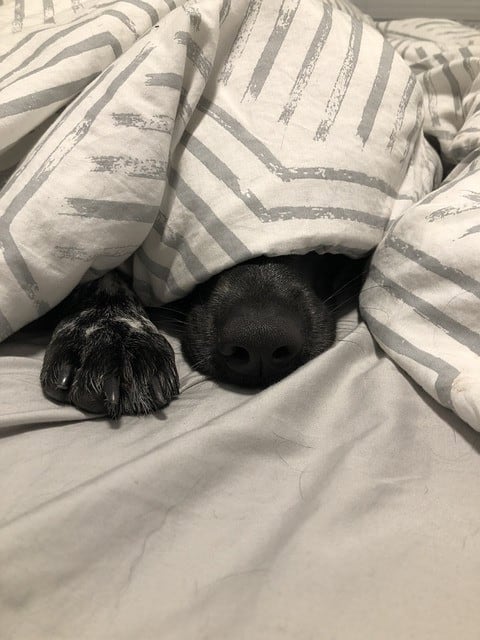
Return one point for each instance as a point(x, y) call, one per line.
point(251, 325)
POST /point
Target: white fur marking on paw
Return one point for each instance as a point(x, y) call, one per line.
point(133, 323)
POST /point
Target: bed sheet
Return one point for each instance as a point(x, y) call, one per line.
point(303, 511)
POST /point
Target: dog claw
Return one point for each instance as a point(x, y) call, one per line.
point(64, 377)
point(158, 392)
point(58, 385)
point(90, 404)
point(111, 389)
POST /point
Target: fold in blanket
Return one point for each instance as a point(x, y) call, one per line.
point(232, 130)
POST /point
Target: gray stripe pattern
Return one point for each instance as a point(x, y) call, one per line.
point(159, 271)
point(72, 139)
point(343, 81)
point(326, 213)
point(94, 42)
point(18, 266)
point(308, 64)
point(413, 133)
point(455, 329)
point(446, 374)
point(48, 12)
point(255, 146)
point(12, 255)
point(225, 10)
point(194, 15)
point(111, 210)
point(159, 122)
point(19, 15)
point(195, 53)
point(402, 107)
point(5, 327)
point(224, 237)
point(472, 168)
point(453, 82)
point(51, 42)
point(43, 98)
point(285, 17)
point(458, 277)
point(240, 41)
point(471, 231)
point(137, 168)
point(173, 240)
point(432, 101)
point(376, 95)
point(52, 131)
point(148, 8)
point(274, 214)
point(467, 62)
point(21, 43)
point(172, 80)
point(223, 173)
point(81, 253)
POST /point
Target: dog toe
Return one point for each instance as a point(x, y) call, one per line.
point(121, 372)
point(90, 403)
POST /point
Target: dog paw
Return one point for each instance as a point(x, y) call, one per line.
point(120, 366)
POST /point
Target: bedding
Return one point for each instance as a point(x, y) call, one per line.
point(214, 138)
point(196, 154)
point(342, 501)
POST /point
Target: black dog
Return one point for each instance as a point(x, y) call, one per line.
point(251, 325)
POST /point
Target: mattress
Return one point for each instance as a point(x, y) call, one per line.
point(341, 502)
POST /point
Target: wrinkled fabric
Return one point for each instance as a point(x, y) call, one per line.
point(213, 137)
point(422, 293)
point(341, 502)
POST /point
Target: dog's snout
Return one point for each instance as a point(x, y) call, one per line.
point(260, 345)
point(257, 322)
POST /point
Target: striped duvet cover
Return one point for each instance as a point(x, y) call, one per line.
point(179, 138)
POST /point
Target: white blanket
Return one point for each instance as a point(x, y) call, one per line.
point(421, 300)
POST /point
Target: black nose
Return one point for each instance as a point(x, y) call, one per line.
point(260, 345)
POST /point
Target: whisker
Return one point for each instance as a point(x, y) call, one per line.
point(168, 310)
point(356, 295)
point(346, 284)
point(184, 382)
point(374, 309)
point(176, 321)
point(362, 350)
point(376, 286)
point(343, 303)
point(200, 361)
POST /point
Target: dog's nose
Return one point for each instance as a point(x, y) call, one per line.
point(261, 345)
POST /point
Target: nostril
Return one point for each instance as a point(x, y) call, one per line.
point(283, 354)
point(234, 354)
point(257, 345)
point(241, 360)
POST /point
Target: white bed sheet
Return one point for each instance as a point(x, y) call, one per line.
point(342, 502)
